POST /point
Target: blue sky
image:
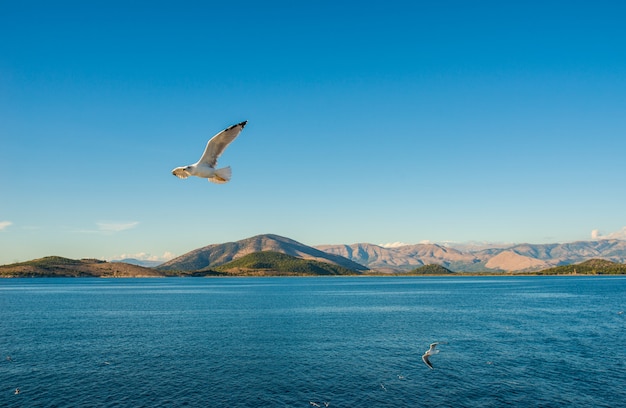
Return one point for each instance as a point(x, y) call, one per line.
point(372, 122)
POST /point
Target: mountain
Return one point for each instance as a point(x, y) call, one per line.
point(513, 258)
point(56, 266)
point(510, 260)
point(210, 256)
point(268, 263)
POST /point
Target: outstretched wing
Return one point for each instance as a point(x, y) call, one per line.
point(180, 172)
point(427, 361)
point(219, 142)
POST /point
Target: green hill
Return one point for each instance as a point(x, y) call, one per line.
point(590, 267)
point(268, 263)
point(431, 269)
point(56, 266)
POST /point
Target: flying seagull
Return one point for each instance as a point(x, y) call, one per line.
point(205, 167)
point(428, 353)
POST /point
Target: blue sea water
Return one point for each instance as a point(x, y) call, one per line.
point(287, 342)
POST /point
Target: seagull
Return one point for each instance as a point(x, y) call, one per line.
point(17, 391)
point(315, 404)
point(428, 353)
point(205, 167)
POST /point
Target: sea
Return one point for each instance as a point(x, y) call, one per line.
point(520, 341)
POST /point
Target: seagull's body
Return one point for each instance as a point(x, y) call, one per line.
point(428, 353)
point(205, 167)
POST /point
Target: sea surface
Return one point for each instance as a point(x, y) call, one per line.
point(290, 342)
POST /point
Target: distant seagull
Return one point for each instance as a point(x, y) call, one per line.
point(383, 386)
point(17, 391)
point(9, 359)
point(428, 353)
point(205, 167)
point(315, 404)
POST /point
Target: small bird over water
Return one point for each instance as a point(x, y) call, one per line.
point(205, 167)
point(428, 353)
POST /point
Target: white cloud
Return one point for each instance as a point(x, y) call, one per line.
point(619, 234)
point(5, 224)
point(106, 226)
point(144, 256)
point(393, 244)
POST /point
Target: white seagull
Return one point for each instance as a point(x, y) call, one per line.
point(205, 167)
point(428, 353)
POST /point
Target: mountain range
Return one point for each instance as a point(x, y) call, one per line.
point(361, 257)
point(275, 255)
point(514, 258)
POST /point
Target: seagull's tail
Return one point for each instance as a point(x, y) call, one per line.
point(221, 176)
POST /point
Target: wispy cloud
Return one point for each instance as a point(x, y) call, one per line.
point(619, 234)
point(109, 226)
point(5, 224)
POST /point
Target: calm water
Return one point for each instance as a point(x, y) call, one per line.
point(284, 342)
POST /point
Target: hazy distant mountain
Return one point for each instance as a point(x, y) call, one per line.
point(140, 262)
point(403, 258)
point(542, 256)
point(521, 257)
point(56, 266)
point(218, 254)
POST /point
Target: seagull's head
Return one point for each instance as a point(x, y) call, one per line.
point(182, 172)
